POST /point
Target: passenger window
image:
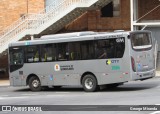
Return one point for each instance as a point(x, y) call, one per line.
point(101, 49)
point(110, 48)
point(74, 50)
point(120, 48)
point(87, 49)
point(47, 53)
point(32, 54)
point(63, 52)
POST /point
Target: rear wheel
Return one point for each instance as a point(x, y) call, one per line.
point(89, 83)
point(35, 84)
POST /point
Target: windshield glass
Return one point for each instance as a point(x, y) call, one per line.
point(141, 40)
point(16, 56)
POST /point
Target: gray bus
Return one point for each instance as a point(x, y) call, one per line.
point(87, 58)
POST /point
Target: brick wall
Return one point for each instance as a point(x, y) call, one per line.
point(147, 5)
point(79, 24)
point(11, 10)
point(93, 21)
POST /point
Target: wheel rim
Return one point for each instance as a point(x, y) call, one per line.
point(35, 83)
point(89, 83)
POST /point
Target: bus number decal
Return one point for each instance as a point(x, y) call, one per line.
point(119, 40)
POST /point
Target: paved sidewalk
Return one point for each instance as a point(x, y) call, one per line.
point(157, 73)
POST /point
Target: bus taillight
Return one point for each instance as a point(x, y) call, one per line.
point(133, 64)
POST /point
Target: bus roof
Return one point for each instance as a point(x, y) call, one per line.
point(68, 35)
point(71, 37)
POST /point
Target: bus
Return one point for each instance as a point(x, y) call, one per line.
point(88, 59)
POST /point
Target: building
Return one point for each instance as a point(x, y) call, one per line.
point(12, 10)
point(58, 16)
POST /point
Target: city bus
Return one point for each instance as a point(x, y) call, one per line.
point(88, 59)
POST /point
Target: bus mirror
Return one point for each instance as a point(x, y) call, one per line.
point(128, 36)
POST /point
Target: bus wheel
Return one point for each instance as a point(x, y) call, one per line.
point(35, 84)
point(89, 83)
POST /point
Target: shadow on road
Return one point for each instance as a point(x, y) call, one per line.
point(63, 89)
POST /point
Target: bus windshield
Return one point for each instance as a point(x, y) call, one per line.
point(16, 56)
point(141, 41)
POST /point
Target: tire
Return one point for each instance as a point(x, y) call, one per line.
point(35, 84)
point(89, 83)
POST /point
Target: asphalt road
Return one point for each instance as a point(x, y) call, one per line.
point(132, 93)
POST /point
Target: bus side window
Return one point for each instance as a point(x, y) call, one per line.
point(63, 53)
point(87, 49)
point(120, 47)
point(36, 56)
point(46, 52)
point(74, 50)
point(101, 49)
point(32, 54)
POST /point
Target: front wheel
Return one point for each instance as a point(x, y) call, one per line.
point(35, 84)
point(89, 83)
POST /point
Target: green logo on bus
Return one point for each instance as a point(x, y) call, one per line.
point(115, 67)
